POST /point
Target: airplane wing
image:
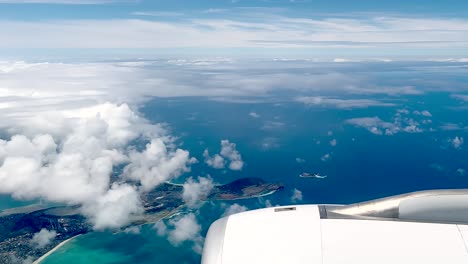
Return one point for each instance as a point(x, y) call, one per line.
point(424, 227)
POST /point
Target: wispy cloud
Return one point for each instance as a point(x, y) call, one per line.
point(462, 97)
point(157, 13)
point(256, 32)
point(340, 103)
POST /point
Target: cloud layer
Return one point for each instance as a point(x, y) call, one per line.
point(251, 31)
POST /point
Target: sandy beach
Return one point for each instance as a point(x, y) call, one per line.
point(39, 260)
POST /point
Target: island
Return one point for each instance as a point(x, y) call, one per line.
point(18, 225)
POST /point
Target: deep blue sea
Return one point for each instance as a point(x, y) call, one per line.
point(361, 165)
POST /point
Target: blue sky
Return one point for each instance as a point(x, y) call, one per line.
point(289, 28)
point(39, 9)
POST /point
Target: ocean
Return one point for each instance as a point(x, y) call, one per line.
point(277, 143)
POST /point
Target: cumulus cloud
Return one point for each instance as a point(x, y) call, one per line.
point(74, 165)
point(234, 209)
point(423, 113)
point(216, 161)
point(333, 142)
point(182, 229)
point(156, 164)
point(228, 153)
point(374, 124)
point(116, 208)
point(43, 238)
point(195, 191)
point(296, 196)
point(457, 142)
point(340, 103)
point(379, 127)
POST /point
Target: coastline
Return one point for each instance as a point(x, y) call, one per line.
point(39, 260)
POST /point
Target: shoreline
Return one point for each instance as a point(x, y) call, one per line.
point(43, 257)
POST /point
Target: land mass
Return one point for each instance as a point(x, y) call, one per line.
point(18, 225)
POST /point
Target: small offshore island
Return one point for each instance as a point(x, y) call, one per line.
point(18, 225)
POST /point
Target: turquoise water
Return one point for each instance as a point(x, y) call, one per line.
point(6, 202)
point(108, 248)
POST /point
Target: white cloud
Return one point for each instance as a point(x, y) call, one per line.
point(161, 228)
point(254, 115)
point(457, 142)
point(182, 229)
point(426, 113)
point(29, 88)
point(237, 31)
point(234, 209)
point(185, 228)
point(156, 164)
point(117, 208)
point(462, 97)
point(272, 125)
point(325, 157)
point(296, 196)
point(340, 103)
point(228, 152)
point(43, 238)
point(461, 172)
point(453, 127)
point(423, 113)
point(135, 230)
point(74, 165)
point(375, 125)
point(333, 142)
point(379, 127)
point(157, 13)
point(341, 60)
point(300, 160)
point(195, 191)
point(216, 161)
point(403, 111)
point(269, 143)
